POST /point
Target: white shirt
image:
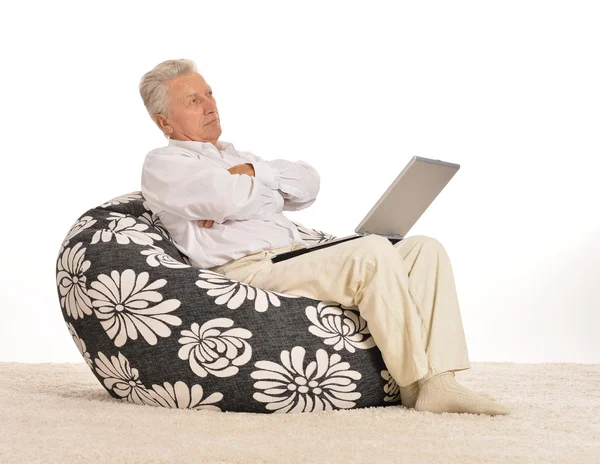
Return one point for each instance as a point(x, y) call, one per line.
point(186, 181)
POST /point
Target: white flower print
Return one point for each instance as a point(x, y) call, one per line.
point(81, 224)
point(312, 236)
point(122, 199)
point(391, 388)
point(180, 396)
point(70, 280)
point(340, 326)
point(122, 305)
point(156, 256)
point(288, 387)
point(80, 345)
point(154, 221)
point(123, 379)
point(234, 293)
point(211, 352)
point(125, 228)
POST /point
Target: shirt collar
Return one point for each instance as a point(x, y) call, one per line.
point(200, 147)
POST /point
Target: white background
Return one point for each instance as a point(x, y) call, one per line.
point(509, 90)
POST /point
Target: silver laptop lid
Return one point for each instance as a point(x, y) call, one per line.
point(407, 198)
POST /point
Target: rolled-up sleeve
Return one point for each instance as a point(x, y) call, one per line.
point(191, 189)
point(297, 181)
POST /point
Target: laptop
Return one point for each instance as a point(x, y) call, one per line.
point(400, 206)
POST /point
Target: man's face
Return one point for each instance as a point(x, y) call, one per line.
point(194, 114)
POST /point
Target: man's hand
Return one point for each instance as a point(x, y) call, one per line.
point(245, 168)
point(205, 223)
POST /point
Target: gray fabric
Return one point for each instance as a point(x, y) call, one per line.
point(155, 330)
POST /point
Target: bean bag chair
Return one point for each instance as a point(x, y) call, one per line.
point(157, 331)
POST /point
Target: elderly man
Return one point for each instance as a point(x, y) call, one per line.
point(224, 210)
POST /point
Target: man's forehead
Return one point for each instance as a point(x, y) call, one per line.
point(190, 86)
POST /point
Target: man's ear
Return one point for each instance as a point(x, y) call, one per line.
point(163, 123)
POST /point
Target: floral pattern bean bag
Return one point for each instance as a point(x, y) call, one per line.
point(157, 331)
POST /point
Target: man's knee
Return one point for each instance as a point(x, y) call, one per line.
point(378, 244)
point(376, 241)
point(426, 241)
point(373, 247)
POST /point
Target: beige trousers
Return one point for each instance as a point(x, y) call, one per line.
point(405, 292)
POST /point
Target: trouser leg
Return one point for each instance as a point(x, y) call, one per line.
point(432, 288)
point(410, 304)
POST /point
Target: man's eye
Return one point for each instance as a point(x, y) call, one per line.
point(193, 99)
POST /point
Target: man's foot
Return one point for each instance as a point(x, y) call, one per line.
point(442, 393)
point(410, 393)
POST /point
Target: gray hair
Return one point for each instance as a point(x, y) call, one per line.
point(153, 90)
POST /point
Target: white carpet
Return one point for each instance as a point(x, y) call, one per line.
point(60, 413)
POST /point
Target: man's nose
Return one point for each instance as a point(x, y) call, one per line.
point(210, 107)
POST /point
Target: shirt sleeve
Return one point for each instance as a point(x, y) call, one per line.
point(191, 189)
point(297, 181)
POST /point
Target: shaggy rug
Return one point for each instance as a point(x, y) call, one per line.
point(60, 413)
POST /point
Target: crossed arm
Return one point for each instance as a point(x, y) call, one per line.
point(195, 189)
point(245, 168)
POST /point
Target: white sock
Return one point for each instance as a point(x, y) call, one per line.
point(441, 393)
point(410, 393)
